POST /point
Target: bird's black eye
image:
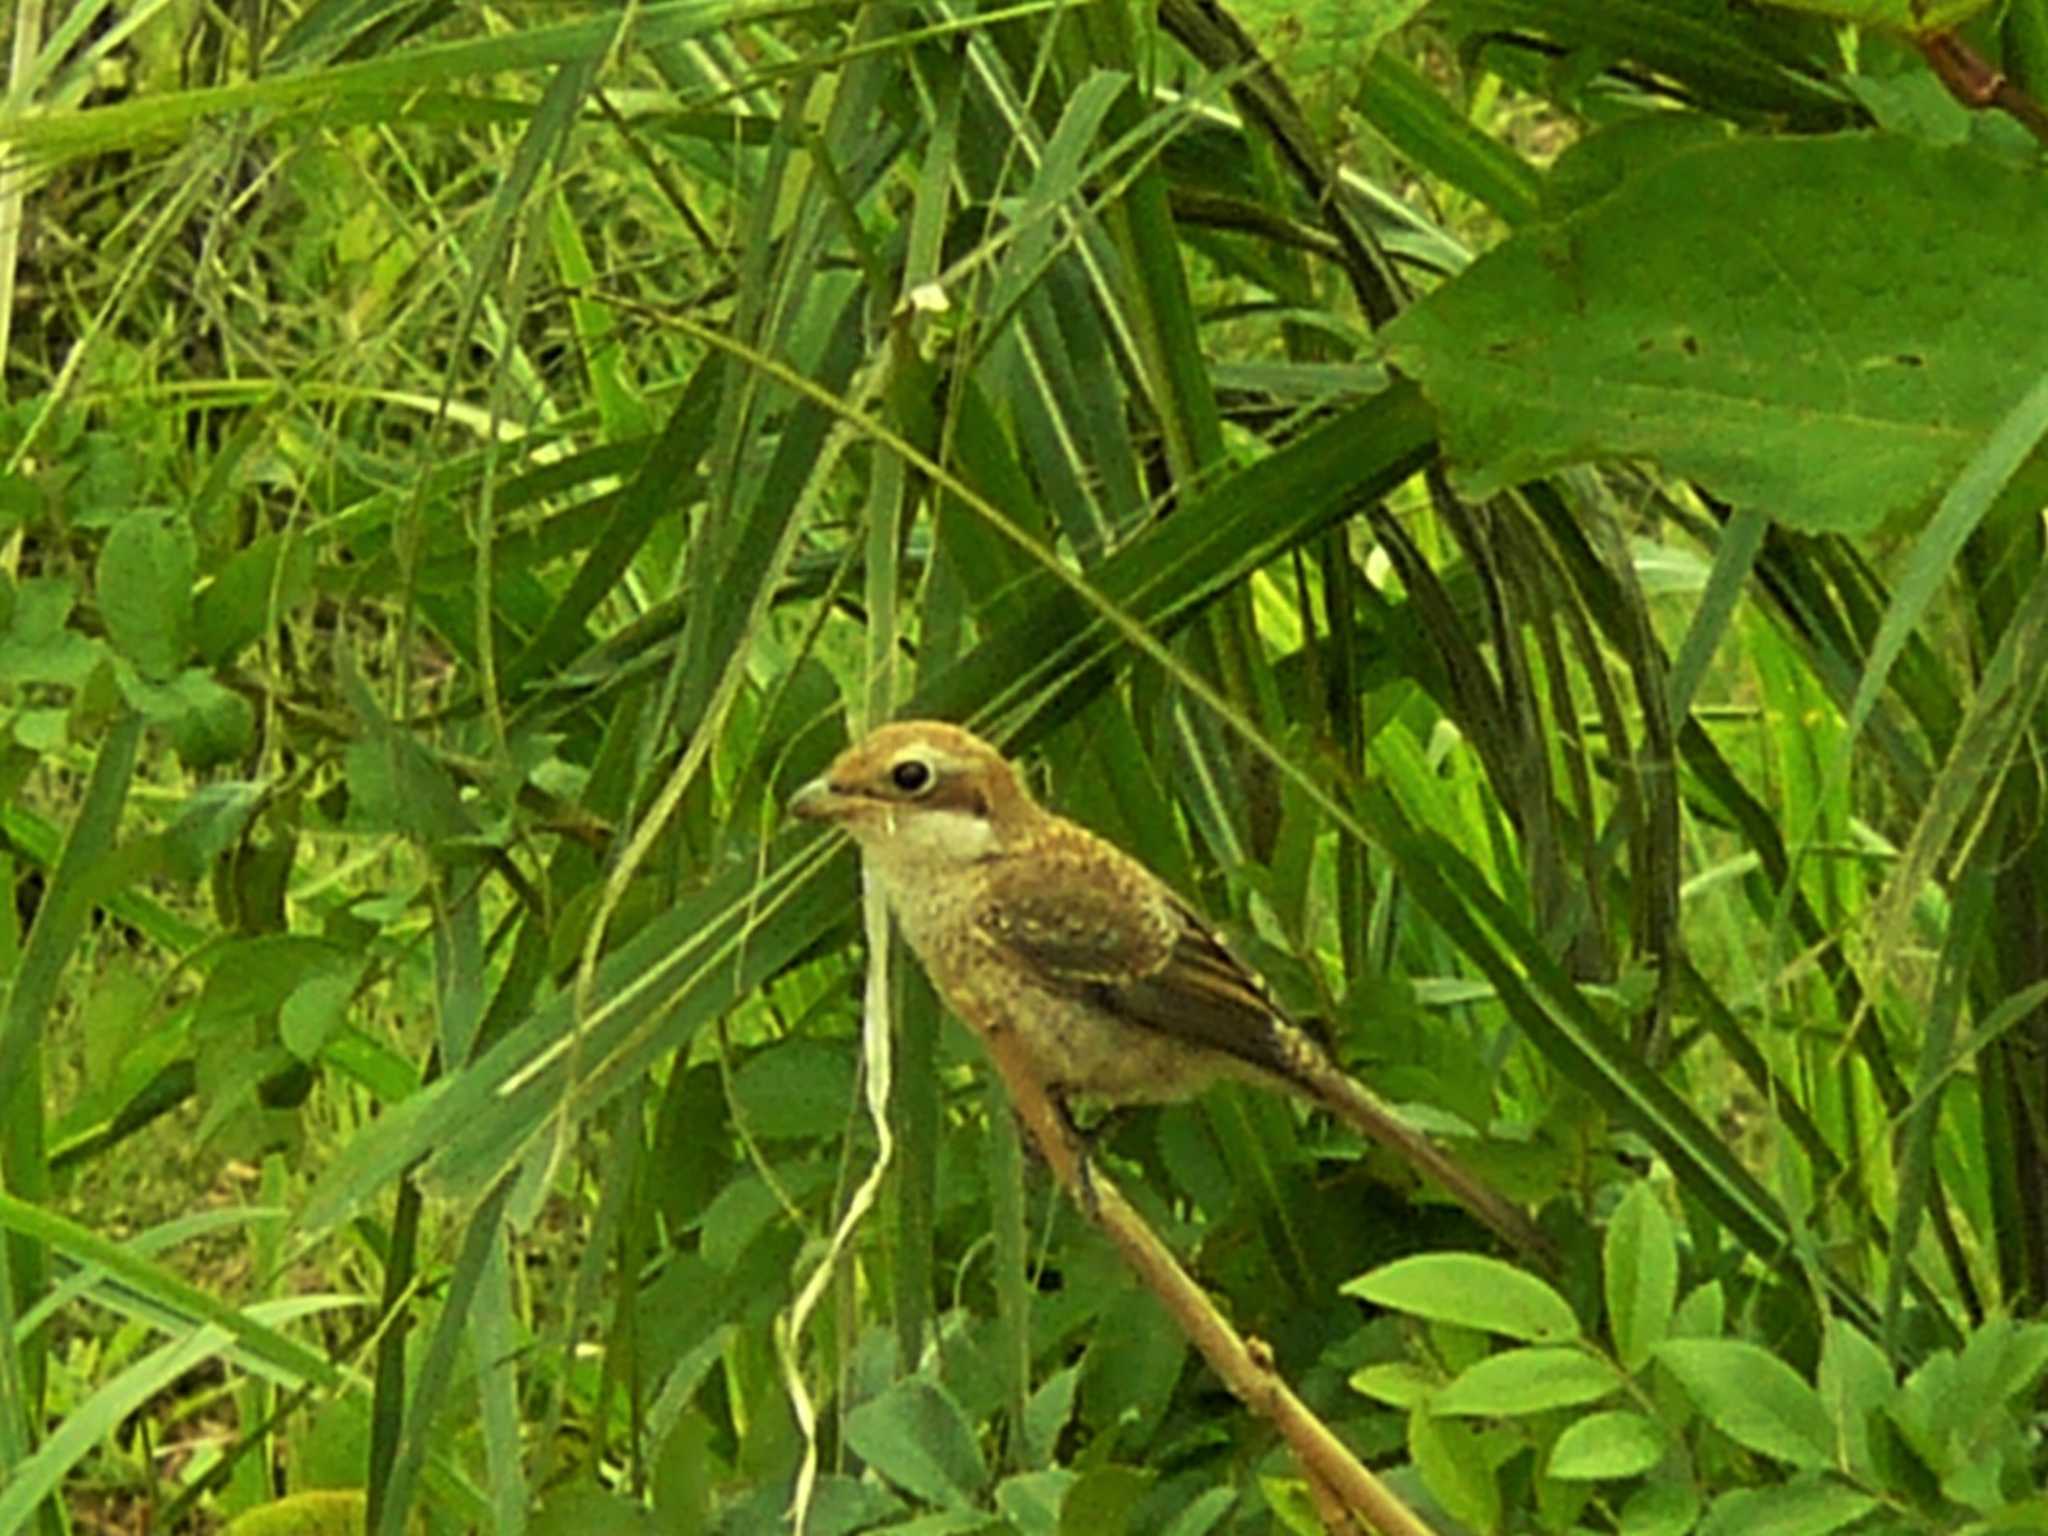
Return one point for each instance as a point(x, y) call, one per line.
point(913, 776)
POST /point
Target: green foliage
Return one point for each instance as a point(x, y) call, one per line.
point(1664, 1443)
point(1904, 15)
point(1769, 378)
point(1527, 511)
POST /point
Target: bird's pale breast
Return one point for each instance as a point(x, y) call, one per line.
point(1076, 1046)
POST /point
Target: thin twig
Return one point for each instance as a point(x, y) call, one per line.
point(1977, 85)
point(1343, 1488)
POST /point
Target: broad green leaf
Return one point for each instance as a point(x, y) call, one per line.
point(268, 578)
point(39, 645)
point(1032, 1501)
point(795, 1088)
point(21, 501)
point(1048, 1412)
point(580, 1510)
point(1599, 164)
point(317, 1512)
point(1808, 1506)
point(207, 722)
point(1771, 373)
point(1399, 1383)
point(111, 474)
point(1952, 1411)
point(144, 585)
point(1641, 1262)
point(1700, 1315)
point(1103, 1499)
point(685, 1474)
point(1855, 1383)
point(116, 1020)
point(390, 1077)
point(1133, 1359)
point(1613, 1444)
point(916, 1436)
point(1455, 1467)
point(1528, 1381)
point(842, 1504)
point(2003, 1359)
point(1471, 1290)
point(1201, 1515)
point(252, 977)
point(743, 1209)
point(314, 1013)
point(1290, 1505)
point(215, 726)
point(1661, 1509)
point(1754, 1398)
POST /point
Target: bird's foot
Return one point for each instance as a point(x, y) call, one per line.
point(1083, 1140)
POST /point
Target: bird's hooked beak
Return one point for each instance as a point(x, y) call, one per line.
point(819, 801)
point(849, 810)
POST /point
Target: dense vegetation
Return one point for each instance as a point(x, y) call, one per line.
point(1527, 511)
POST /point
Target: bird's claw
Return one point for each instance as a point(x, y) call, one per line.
point(1081, 1141)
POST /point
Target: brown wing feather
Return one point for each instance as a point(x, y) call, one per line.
point(1102, 927)
point(1203, 994)
point(1076, 912)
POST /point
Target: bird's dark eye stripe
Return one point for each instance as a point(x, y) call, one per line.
point(912, 776)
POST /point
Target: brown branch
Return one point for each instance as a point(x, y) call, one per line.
point(1343, 1489)
point(1972, 81)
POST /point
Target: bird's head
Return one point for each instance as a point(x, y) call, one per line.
point(921, 793)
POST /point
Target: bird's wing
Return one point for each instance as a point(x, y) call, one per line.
point(1109, 931)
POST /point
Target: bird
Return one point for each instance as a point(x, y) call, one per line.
point(1116, 989)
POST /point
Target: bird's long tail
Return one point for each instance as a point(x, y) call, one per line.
point(1327, 1084)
